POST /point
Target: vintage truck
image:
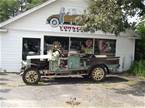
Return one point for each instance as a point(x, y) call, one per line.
point(86, 65)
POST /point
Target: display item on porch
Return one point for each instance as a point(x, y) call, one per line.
point(88, 47)
point(55, 52)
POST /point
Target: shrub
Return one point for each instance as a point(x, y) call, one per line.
point(138, 68)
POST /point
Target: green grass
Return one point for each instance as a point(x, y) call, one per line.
point(138, 68)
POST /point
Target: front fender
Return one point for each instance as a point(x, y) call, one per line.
point(22, 70)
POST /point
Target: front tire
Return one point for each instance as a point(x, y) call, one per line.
point(98, 74)
point(31, 76)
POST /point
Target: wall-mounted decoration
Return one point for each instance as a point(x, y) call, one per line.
point(66, 15)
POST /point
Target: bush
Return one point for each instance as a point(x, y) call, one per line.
point(138, 68)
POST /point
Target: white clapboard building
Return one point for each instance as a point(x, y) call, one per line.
point(34, 31)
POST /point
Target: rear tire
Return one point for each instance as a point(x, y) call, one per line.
point(31, 76)
point(98, 74)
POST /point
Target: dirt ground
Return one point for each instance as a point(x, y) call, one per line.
point(73, 92)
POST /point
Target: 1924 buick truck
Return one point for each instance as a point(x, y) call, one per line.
point(86, 65)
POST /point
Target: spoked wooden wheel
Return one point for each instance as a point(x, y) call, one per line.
point(98, 73)
point(31, 76)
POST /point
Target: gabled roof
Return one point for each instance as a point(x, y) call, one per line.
point(26, 13)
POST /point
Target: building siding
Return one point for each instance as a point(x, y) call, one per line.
point(125, 48)
point(11, 50)
point(0, 53)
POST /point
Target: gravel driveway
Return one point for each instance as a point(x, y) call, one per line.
point(72, 92)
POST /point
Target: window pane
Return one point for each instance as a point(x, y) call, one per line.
point(105, 47)
point(49, 40)
point(31, 46)
point(82, 45)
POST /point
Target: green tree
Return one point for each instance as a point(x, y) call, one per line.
point(137, 67)
point(140, 43)
point(33, 3)
point(8, 8)
point(111, 15)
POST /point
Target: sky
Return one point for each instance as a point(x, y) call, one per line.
point(134, 19)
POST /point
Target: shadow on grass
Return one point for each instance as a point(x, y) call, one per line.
point(137, 89)
point(79, 80)
point(3, 83)
point(4, 79)
point(1, 98)
point(3, 73)
point(115, 79)
point(4, 90)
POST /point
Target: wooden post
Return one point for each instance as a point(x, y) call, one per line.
point(93, 45)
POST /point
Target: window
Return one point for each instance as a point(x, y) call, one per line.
point(83, 45)
point(105, 47)
point(31, 46)
point(48, 41)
